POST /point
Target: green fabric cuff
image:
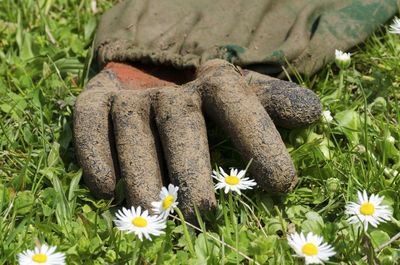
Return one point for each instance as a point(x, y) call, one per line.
point(257, 35)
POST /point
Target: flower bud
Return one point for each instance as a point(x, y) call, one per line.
point(333, 185)
point(361, 149)
point(378, 105)
point(342, 59)
point(326, 116)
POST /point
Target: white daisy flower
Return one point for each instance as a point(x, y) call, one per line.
point(342, 59)
point(45, 255)
point(395, 27)
point(368, 210)
point(142, 224)
point(233, 181)
point(326, 115)
point(310, 248)
point(168, 201)
point(343, 56)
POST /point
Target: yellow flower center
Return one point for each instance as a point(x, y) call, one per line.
point(139, 222)
point(40, 258)
point(309, 249)
point(166, 203)
point(367, 209)
point(232, 180)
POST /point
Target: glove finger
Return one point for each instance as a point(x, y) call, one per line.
point(183, 136)
point(232, 104)
point(288, 104)
point(93, 136)
point(136, 145)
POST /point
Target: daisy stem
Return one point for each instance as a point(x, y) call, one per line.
point(162, 250)
point(237, 243)
point(234, 225)
point(232, 214)
point(185, 231)
point(357, 242)
point(118, 244)
point(136, 257)
point(221, 195)
point(37, 242)
point(340, 84)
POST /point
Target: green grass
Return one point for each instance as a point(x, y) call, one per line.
point(45, 51)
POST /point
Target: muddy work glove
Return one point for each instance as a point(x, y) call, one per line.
point(141, 128)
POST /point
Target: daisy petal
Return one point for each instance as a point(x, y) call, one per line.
point(233, 182)
point(309, 247)
point(367, 210)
